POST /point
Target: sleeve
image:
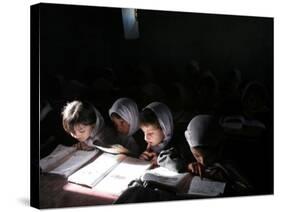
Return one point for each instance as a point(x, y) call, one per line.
point(171, 160)
point(238, 182)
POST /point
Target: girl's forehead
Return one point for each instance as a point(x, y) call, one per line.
point(197, 150)
point(149, 127)
point(118, 119)
point(80, 126)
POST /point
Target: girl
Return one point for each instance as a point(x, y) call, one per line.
point(84, 123)
point(124, 114)
point(156, 122)
point(203, 137)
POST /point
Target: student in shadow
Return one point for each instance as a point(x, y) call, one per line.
point(255, 101)
point(206, 93)
point(231, 92)
point(156, 122)
point(178, 100)
point(85, 123)
point(205, 140)
point(124, 114)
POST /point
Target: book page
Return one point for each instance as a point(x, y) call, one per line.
point(117, 181)
point(205, 187)
point(55, 158)
point(92, 173)
point(74, 162)
point(164, 177)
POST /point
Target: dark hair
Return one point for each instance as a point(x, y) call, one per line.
point(77, 112)
point(147, 117)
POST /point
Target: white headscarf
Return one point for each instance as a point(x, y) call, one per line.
point(165, 119)
point(97, 129)
point(200, 131)
point(127, 109)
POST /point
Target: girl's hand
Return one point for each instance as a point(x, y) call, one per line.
point(154, 160)
point(147, 155)
point(83, 146)
point(117, 148)
point(196, 168)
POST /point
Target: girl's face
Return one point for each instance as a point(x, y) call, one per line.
point(203, 156)
point(121, 125)
point(82, 132)
point(152, 134)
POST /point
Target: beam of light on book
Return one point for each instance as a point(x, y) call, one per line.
point(91, 174)
point(130, 23)
point(117, 180)
point(110, 173)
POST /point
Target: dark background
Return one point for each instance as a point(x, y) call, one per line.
point(75, 38)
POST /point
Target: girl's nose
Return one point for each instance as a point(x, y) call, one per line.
point(201, 160)
point(146, 137)
point(75, 135)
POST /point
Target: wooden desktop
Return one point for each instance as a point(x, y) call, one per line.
point(56, 191)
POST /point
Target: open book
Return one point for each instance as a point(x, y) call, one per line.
point(110, 173)
point(66, 160)
point(183, 183)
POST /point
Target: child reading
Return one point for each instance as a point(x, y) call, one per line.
point(84, 123)
point(124, 114)
point(204, 138)
point(156, 122)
